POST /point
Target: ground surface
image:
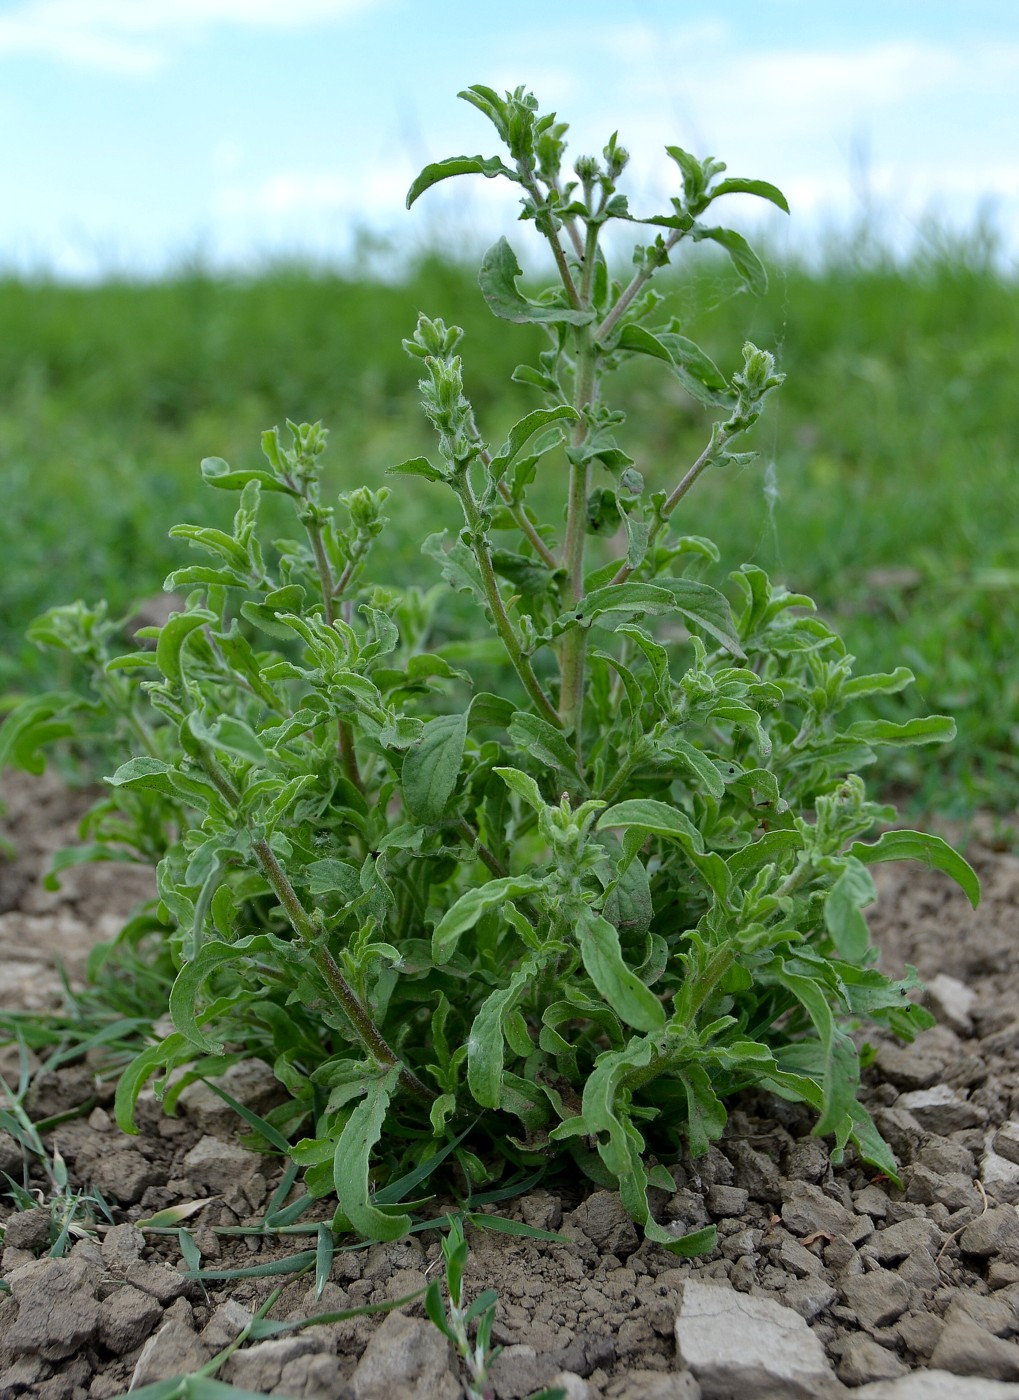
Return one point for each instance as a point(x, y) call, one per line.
point(826, 1281)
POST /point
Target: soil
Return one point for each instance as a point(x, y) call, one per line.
point(826, 1281)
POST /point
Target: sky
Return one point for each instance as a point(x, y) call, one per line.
point(137, 135)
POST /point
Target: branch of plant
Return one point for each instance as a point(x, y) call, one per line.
point(507, 632)
point(633, 288)
point(330, 591)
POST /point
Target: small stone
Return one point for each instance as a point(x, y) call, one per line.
point(220, 1166)
point(798, 1260)
point(897, 1242)
point(744, 1242)
point(744, 1345)
point(941, 1110)
point(921, 1271)
point(26, 1372)
point(952, 1002)
point(126, 1318)
point(259, 1368)
point(250, 1082)
point(605, 1222)
point(159, 1280)
point(172, 1351)
point(29, 1230)
point(542, 1210)
point(955, 1190)
point(1000, 1176)
point(965, 1349)
point(809, 1296)
point(909, 1066)
point(877, 1298)
point(994, 1314)
point(226, 1324)
point(807, 1160)
point(574, 1387)
point(727, 1201)
point(944, 1154)
point(919, 1331)
point(899, 1129)
point(806, 1210)
point(58, 1312)
point(653, 1385)
point(408, 1355)
point(872, 1201)
point(124, 1175)
point(996, 1232)
point(1001, 1275)
point(865, 1360)
point(1006, 1142)
point(842, 1258)
point(754, 1172)
point(122, 1247)
point(935, 1385)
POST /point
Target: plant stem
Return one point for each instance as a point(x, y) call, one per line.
point(640, 277)
point(503, 625)
point(574, 643)
point(310, 934)
point(718, 440)
point(344, 732)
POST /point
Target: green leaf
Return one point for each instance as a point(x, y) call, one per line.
point(489, 166)
point(545, 743)
point(469, 908)
point(143, 773)
point(417, 466)
point(706, 1116)
point(697, 602)
point(216, 472)
point(431, 767)
point(634, 1003)
point(648, 814)
point(843, 906)
point(485, 1045)
point(762, 188)
point(925, 729)
point(172, 637)
point(184, 994)
point(498, 279)
point(169, 1052)
point(523, 430)
point(743, 258)
point(708, 778)
point(351, 1163)
point(935, 853)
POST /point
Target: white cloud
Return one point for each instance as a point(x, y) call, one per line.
point(135, 37)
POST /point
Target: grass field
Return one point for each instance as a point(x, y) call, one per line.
point(887, 485)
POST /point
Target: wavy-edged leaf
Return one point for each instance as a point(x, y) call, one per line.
point(417, 466)
point(925, 729)
point(935, 853)
point(486, 1042)
point(657, 818)
point(603, 960)
point(545, 743)
point(469, 908)
point(524, 429)
point(431, 767)
point(843, 910)
point(184, 994)
point(172, 637)
point(489, 166)
point(699, 603)
point(763, 189)
point(498, 281)
point(742, 256)
point(173, 1050)
point(216, 472)
point(352, 1161)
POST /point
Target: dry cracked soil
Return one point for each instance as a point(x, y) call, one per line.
point(826, 1281)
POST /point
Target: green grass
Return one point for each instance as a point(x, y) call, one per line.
point(887, 486)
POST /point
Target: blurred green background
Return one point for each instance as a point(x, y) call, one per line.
point(887, 485)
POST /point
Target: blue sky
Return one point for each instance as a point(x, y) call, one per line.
point(136, 133)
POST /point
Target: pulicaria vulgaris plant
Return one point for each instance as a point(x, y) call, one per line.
point(545, 861)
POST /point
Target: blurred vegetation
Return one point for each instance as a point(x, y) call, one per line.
point(887, 485)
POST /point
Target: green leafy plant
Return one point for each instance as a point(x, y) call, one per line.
point(543, 862)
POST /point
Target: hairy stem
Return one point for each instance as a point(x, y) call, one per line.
point(310, 935)
point(574, 642)
point(330, 589)
point(507, 632)
point(637, 282)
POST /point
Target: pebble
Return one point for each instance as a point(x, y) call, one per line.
point(966, 1349)
point(806, 1210)
point(952, 1002)
point(897, 1242)
point(955, 1190)
point(941, 1110)
point(1006, 1142)
point(726, 1200)
point(411, 1353)
point(865, 1360)
point(743, 1346)
point(996, 1232)
point(877, 1298)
